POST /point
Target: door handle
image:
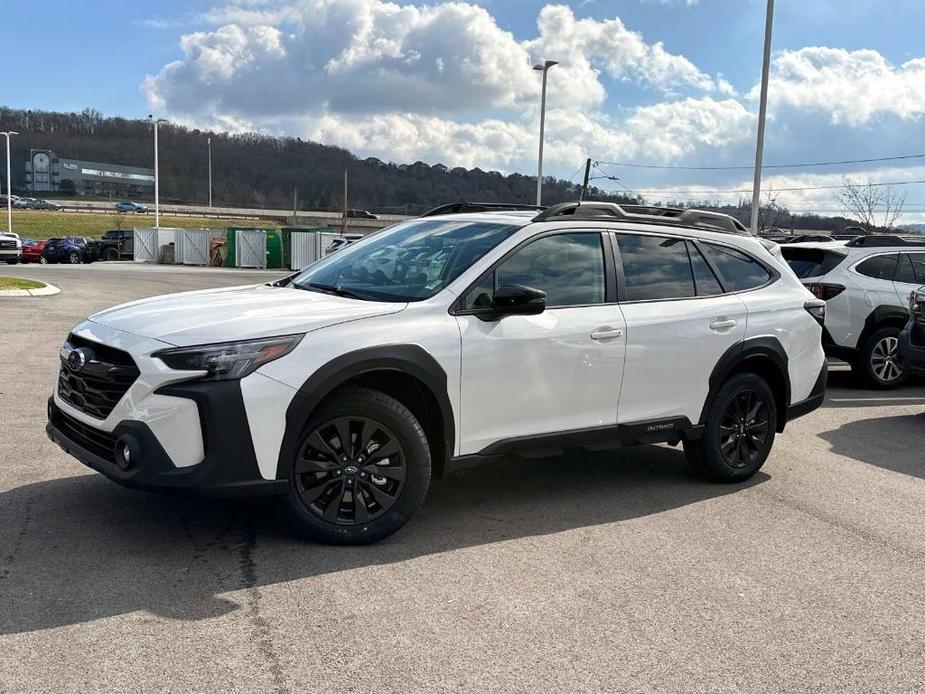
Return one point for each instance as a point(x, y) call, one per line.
point(606, 333)
point(723, 324)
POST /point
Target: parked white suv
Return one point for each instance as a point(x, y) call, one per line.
point(866, 283)
point(10, 247)
point(347, 386)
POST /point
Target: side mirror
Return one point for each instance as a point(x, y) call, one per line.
point(517, 300)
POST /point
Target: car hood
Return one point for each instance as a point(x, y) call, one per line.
point(236, 313)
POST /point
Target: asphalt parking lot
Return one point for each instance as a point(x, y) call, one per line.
point(616, 572)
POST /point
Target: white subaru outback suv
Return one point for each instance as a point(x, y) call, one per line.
point(445, 342)
point(866, 283)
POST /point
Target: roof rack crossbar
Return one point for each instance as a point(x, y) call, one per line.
point(463, 207)
point(642, 213)
point(884, 241)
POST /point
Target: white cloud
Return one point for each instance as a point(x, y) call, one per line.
point(853, 88)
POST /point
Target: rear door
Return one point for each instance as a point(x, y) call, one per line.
point(910, 274)
point(679, 322)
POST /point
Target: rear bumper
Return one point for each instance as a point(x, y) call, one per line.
point(815, 399)
point(911, 350)
point(831, 349)
point(228, 469)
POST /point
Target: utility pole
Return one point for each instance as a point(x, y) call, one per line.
point(544, 68)
point(762, 111)
point(344, 229)
point(294, 201)
point(210, 173)
point(584, 186)
point(9, 183)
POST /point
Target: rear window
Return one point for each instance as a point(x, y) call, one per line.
point(811, 262)
point(737, 271)
point(880, 267)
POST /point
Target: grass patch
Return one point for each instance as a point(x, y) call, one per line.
point(38, 224)
point(16, 283)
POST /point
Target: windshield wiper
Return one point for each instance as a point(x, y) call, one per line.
point(331, 289)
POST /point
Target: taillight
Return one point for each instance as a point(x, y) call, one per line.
point(816, 308)
point(825, 291)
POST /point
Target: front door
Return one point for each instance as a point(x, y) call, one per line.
point(557, 371)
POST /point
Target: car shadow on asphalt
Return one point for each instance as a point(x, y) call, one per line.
point(77, 549)
point(845, 390)
point(900, 442)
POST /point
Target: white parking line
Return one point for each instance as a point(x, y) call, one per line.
point(911, 399)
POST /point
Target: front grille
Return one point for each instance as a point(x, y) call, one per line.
point(101, 443)
point(7, 244)
point(100, 383)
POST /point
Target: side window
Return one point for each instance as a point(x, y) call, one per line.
point(738, 271)
point(568, 267)
point(707, 284)
point(918, 266)
point(904, 271)
point(655, 267)
point(880, 267)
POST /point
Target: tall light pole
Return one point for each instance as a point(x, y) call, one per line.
point(157, 190)
point(544, 68)
point(210, 173)
point(762, 111)
point(9, 182)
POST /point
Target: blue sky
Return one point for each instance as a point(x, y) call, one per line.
point(649, 81)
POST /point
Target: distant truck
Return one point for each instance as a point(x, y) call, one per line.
point(117, 244)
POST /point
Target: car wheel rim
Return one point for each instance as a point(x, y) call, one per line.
point(883, 360)
point(43, 261)
point(350, 470)
point(744, 429)
point(74, 258)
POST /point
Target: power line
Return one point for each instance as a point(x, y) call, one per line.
point(657, 191)
point(743, 167)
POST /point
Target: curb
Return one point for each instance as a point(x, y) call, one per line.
point(47, 290)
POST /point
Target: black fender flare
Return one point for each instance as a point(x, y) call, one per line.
point(876, 319)
point(765, 347)
point(409, 359)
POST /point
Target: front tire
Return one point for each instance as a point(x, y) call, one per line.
point(73, 258)
point(878, 365)
point(43, 260)
point(111, 254)
point(739, 431)
point(361, 470)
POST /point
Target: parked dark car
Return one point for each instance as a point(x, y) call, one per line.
point(71, 249)
point(361, 214)
point(117, 244)
point(911, 350)
point(127, 206)
point(43, 205)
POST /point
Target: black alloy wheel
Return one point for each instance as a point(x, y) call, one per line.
point(738, 430)
point(350, 470)
point(361, 469)
point(744, 429)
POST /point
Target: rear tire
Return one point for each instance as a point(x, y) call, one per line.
point(739, 430)
point(73, 258)
point(363, 491)
point(43, 260)
point(111, 254)
point(877, 363)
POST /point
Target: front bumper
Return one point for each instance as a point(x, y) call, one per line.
point(911, 349)
point(229, 467)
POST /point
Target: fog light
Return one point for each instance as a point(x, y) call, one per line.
point(127, 451)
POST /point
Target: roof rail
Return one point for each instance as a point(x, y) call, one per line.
point(643, 213)
point(884, 241)
point(464, 207)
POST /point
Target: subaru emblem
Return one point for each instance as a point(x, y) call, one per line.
point(77, 359)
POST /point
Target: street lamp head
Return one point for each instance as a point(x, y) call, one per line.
point(545, 65)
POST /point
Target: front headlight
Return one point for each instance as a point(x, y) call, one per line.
point(229, 360)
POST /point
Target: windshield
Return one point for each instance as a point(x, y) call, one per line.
point(408, 262)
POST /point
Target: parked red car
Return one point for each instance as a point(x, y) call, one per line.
point(32, 251)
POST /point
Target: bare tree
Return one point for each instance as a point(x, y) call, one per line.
point(772, 214)
point(874, 206)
